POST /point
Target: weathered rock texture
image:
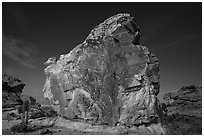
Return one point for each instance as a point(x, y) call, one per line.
point(109, 78)
point(184, 111)
point(187, 101)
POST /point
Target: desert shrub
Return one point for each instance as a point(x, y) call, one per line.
point(20, 109)
point(27, 105)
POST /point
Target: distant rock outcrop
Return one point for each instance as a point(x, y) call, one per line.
point(187, 101)
point(11, 91)
point(184, 110)
point(109, 78)
point(13, 98)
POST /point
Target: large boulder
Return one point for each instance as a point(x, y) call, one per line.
point(109, 78)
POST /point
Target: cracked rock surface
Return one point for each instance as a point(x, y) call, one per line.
point(108, 79)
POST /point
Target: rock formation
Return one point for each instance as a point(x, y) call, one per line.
point(12, 94)
point(184, 111)
point(11, 91)
point(109, 78)
point(187, 101)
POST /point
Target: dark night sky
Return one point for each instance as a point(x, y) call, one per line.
point(33, 32)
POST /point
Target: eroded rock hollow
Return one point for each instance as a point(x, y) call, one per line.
point(109, 78)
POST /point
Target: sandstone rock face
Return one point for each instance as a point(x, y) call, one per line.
point(109, 78)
